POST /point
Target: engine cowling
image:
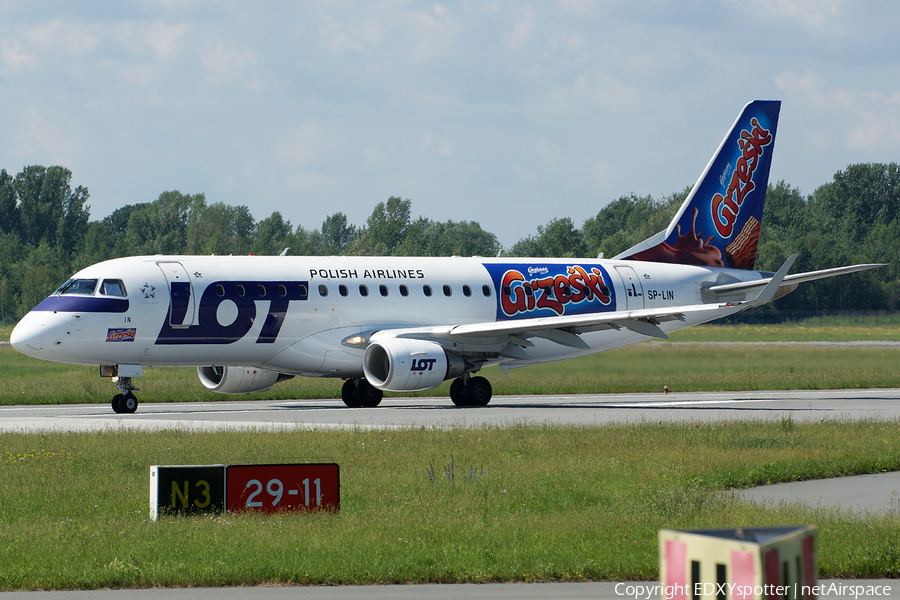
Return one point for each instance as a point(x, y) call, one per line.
point(406, 365)
point(239, 380)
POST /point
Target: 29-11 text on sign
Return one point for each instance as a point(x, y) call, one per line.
point(273, 488)
point(188, 489)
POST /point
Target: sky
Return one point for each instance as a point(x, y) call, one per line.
point(509, 114)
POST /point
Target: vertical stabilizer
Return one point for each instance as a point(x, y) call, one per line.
point(720, 220)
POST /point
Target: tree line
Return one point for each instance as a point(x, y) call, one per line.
point(46, 234)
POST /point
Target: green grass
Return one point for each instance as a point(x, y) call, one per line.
point(645, 367)
point(522, 503)
point(802, 331)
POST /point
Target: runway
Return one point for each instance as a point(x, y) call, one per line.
point(400, 412)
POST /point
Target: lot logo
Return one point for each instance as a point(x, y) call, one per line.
point(423, 364)
point(121, 335)
point(551, 290)
point(246, 302)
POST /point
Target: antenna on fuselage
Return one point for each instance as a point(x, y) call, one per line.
point(285, 251)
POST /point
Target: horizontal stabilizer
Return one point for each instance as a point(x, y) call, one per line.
point(790, 281)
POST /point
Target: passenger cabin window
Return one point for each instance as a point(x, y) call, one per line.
point(323, 290)
point(113, 287)
point(78, 286)
point(240, 290)
point(220, 290)
point(486, 290)
point(342, 289)
point(260, 290)
point(404, 291)
point(426, 289)
point(467, 291)
point(447, 291)
point(383, 289)
point(363, 290)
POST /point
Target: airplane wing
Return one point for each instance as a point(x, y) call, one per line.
point(565, 330)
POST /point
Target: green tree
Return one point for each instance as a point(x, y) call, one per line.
point(41, 273)
point(385, 228)
point(49, 210)
point(273, 235)
point(558, 238)
point(9, 217)
point(337, 233)
point(219, 228)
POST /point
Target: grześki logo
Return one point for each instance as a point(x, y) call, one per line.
point(725, 209)
point(552, 292)
point(124, 334)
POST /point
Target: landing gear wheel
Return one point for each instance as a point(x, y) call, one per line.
point(458, 392)
point(478, 391)
point(124, 403)
point(129, 403)
point(368, 396)
point(348, 394)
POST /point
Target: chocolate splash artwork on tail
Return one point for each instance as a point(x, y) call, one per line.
point(688, 249)
point(726, 203)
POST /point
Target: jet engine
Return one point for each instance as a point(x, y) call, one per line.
point(239, 380)
point(407, 365)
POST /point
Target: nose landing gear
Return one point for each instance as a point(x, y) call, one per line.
point(127, 402)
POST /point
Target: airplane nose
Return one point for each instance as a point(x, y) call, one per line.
point(28, 336)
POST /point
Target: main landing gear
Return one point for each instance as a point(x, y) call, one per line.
point(127, 402)
point(359, 393)
point(471, 391)
point(464, 391)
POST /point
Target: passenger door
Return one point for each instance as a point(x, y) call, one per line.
point(181, 297)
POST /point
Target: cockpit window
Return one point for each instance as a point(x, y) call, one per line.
point(84, 287)
point(112, 287)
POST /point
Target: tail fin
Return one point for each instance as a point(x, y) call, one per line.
point(726, 203)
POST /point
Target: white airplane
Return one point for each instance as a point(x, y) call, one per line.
point(407, 324)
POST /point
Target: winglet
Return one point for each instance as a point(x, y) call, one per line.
point(771, 288)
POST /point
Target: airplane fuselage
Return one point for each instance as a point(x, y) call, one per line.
point(292, 314)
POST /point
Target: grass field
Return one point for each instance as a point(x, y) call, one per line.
point(521, 503)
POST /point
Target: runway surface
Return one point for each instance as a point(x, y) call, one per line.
point(399, 412)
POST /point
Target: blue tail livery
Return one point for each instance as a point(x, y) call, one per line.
point(719, 223)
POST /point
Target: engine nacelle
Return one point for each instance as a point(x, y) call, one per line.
point(239, 380)
point(406, 365)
